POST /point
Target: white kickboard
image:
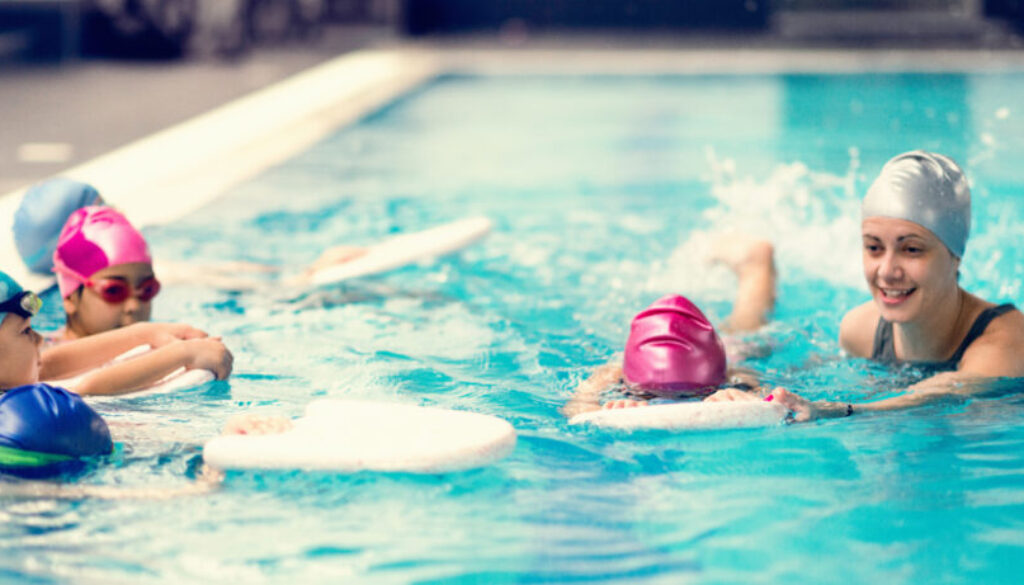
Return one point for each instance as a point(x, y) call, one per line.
point(179, 379)
point(355, 435)
point(688, 416)
point(404, 249)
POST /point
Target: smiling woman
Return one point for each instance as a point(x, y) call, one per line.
point(916, 219)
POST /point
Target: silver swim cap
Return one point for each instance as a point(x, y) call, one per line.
point(925, 188)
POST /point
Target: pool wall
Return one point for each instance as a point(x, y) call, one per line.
point(173, 172)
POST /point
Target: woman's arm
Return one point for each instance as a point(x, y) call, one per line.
point(145, 370)
point(588, 393)
point(941, 387)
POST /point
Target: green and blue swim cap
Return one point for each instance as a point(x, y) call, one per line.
point(925, 188)
point(14, 299)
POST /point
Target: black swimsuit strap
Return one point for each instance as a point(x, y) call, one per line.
point(884, 349)
point(978, 328)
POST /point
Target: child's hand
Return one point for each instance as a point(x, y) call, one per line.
point(255, 424)
point(336, 255)
point(731, 395)
point(208, 353)
point(624, 403)
point(160, 334)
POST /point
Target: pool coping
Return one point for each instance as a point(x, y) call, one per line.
point(234, 142)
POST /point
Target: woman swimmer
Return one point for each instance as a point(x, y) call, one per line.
point(673, 350)
point(175, 346)
point(914, 227)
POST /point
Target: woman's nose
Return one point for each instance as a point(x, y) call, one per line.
point(890, 268)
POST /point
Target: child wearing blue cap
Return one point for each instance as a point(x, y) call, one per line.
point(22, 362)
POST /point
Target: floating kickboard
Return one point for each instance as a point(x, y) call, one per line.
point(355, 435)
point(179, 379)
point(405, 249)
point(688, 416)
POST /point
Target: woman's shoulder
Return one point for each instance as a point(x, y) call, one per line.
point(1006, 324)
point(995, 351)
point(857, 329)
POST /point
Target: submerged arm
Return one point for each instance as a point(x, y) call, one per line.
point(587, 395)
point(992, 357)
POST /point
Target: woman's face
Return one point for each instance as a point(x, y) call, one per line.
point(907, 268)
point(19, 352)
point(88, 313)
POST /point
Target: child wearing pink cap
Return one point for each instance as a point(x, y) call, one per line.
point(48, 205)
point(104, 272)
point(175, 346)
point(673, 351)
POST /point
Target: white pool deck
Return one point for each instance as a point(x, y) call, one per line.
point(176, 171)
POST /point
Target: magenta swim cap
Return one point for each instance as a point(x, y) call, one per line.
point(673, 350)
point(94, 238)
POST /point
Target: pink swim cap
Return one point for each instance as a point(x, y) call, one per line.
point(673, 350)
point(94, 238)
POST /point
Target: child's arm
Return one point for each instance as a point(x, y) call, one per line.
point(588, 393)
point(207, 354)
point(74, 357)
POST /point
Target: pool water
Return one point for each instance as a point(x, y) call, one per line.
point(606, 193)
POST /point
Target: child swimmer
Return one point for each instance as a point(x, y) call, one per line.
point(47, 431)
point(673, 351)
point(175, 346)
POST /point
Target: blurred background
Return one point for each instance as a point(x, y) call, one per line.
point(81, 77)
point(162, 29)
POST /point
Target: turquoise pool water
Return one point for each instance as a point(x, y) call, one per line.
point(605, 192)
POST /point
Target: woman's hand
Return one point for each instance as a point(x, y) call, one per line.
point(803, 410)
point(208, 353)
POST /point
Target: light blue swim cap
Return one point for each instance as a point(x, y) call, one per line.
point(41, 215)
point(928, 189)
point(9, 288)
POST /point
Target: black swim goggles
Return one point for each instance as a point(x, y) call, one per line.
point(25, 304)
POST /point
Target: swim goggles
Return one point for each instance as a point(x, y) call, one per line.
point(114, 290)
point(24, 304)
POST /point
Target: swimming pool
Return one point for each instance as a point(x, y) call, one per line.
point(605, 191)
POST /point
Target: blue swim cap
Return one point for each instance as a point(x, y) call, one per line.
point(41, 215)
point(9, 288)
point(44, 429)
point(928, 189)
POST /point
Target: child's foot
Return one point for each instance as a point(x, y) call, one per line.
point(741, 252)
